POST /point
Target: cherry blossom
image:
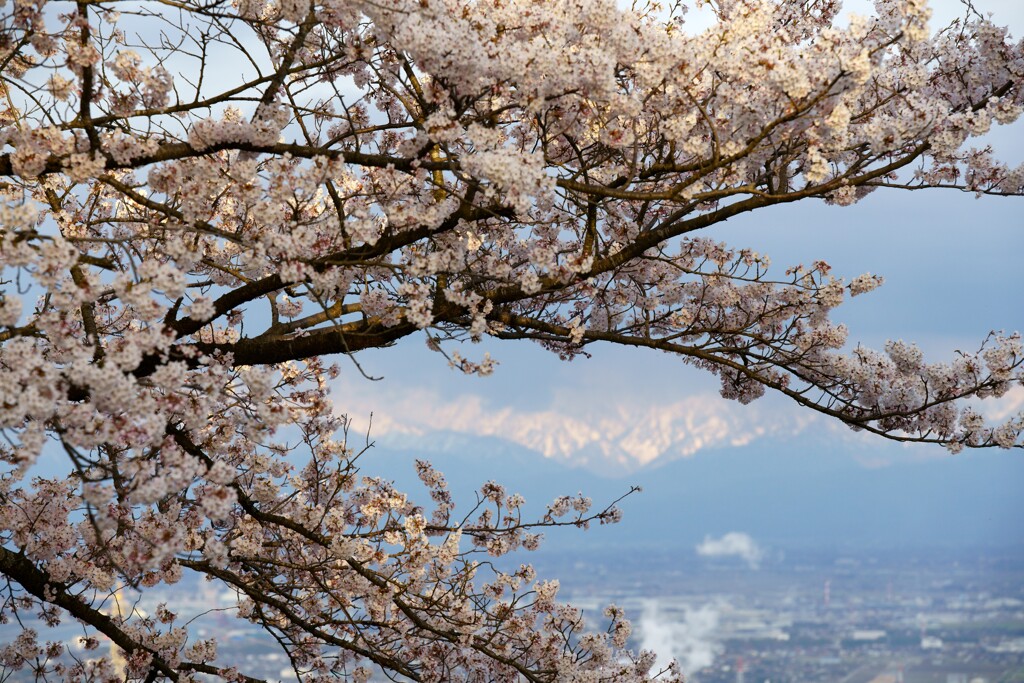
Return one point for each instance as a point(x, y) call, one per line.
point(195, 227)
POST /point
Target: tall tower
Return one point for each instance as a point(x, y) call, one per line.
point(827, 593)
point(118, 613)
point(740, 669)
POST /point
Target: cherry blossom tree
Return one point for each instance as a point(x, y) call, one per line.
point(206, 203)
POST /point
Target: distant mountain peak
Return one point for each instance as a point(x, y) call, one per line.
point(615, 439)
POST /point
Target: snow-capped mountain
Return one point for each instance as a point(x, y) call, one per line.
point(612, 439)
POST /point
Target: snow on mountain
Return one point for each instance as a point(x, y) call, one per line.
point(611, 437)
point(707, 466)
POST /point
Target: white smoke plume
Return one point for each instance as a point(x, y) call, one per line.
point(690, 641)
point(735, 544)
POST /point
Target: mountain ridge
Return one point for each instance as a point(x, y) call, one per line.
point(779, 490)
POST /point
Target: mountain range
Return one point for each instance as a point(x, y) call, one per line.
point(809, 489)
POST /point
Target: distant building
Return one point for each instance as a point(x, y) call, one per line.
point(869, 635)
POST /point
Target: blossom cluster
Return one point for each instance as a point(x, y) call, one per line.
point(182, 256)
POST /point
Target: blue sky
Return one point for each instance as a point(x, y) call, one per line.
point(952, 264)
point(772, 473)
